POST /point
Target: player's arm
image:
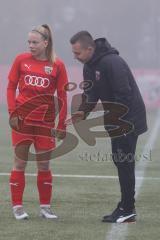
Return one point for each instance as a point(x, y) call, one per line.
point(13, 79)
point(62, 100)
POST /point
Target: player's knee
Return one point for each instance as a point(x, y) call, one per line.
point(20, 165)
point(43, 166)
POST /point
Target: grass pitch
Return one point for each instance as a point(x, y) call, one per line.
point(80, 203)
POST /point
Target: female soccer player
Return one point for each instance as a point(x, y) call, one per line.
point(37, 75)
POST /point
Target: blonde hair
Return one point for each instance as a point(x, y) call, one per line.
point(46, 33)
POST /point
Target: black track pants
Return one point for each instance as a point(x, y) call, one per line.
point(123, 154)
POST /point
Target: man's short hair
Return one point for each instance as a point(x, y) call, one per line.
point(84, 37)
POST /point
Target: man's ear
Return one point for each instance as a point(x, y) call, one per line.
point(90, 49)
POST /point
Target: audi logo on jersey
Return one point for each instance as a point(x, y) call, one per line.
point(36, 81)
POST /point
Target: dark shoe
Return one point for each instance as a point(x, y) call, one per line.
point(119, 215)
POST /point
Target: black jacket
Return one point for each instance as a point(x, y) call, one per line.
point(112, 81)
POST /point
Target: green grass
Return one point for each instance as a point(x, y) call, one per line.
point(80, 203)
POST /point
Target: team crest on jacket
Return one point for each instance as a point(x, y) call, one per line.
point(48, 69)
point(98, 75)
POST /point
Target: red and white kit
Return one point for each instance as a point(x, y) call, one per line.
point(37, 81)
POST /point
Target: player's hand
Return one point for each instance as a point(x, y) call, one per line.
point(14, 122)
point(76, 117)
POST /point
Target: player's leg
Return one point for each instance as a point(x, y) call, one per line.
point(17, 176)
point(44, 176)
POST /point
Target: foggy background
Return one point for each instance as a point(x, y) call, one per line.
point(132, 26)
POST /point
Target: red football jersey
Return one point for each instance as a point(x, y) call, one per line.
point(36, 82)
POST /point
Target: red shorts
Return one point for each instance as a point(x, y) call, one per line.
point(31, 132)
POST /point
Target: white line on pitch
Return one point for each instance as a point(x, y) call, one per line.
point(85, 176)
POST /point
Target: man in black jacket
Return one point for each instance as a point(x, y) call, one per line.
point(124, 111)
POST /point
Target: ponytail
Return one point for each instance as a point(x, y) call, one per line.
point(46, 33)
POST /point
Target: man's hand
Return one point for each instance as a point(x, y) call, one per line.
point(57, 133)
point(60, 134)
point(76, 117)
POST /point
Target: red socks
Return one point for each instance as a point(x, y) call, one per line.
point(17, 184)
point(44, 184)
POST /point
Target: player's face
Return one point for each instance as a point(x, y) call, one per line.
point(82, 54)
point(37, 45)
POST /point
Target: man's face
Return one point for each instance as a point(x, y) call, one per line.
point(82, 54)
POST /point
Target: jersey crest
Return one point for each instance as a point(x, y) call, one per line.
point(48, 69)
